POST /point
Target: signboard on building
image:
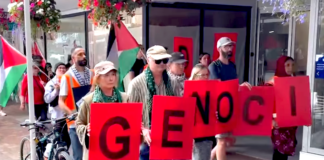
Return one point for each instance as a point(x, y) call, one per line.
point(319, 68)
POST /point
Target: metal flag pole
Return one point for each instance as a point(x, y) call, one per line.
point(30, 77)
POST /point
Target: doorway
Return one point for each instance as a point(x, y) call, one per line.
point(201, 25)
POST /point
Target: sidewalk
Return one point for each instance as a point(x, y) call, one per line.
point(11, 134)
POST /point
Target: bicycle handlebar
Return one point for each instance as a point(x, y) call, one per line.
point(54, 121)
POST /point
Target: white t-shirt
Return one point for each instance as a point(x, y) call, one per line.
point(64, 86)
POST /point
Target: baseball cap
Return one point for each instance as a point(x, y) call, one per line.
point(224, 41)
point(157, 53)
point(177, 57)
point(104, 67)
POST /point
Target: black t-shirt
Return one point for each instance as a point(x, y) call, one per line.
point(138, 67)
point(224, 72)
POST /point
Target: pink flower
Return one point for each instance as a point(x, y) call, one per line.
point(95, 3)
point(32, 5)
point(119, 5)
point(20, 8)
point(108, 3)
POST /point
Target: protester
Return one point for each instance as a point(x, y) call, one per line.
point(38, 85)
point(205, 59)
point(153, 81)
point(51, 97)
point(176, 68)
point(283, 139)
point(202, 146)
point(139, 64)
point(75, 84)
point(48, 70)
point(223, 69)
point(105, 82)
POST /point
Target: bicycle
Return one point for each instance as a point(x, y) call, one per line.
point(58, 150)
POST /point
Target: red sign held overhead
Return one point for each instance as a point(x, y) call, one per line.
point(232, 36)
point(172, 125)
point(115, 129)
point(256, 107)
point(205, 94)
point(292, 98)
point(185, 46)
point(227, 109)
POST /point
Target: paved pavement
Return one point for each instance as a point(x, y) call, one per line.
point(246, 148)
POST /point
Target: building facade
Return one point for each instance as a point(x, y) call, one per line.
point(261, 38)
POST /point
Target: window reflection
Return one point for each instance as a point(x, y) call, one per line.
point(70, 35)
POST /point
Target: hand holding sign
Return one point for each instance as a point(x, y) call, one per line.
point(172, 125)
point(115, 129)
point(256, 107)
point(292, 97)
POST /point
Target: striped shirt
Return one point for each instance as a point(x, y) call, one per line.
point(138, 92)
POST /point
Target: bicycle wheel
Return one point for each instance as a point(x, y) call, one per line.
point(24, 153)
point(63, 155)
point(25, 150)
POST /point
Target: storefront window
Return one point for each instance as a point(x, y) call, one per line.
point(98, 37)
point(70, 35)
point(301, 45)
point(317, 129)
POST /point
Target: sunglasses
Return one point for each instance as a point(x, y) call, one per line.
point(165, 61)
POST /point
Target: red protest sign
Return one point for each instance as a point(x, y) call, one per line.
point(205, 119)
point(256, 108)
point(172, 125)
point(227, 109)
point(292, 99)
point(232, 36)
point(115, 130)
point(185, 46)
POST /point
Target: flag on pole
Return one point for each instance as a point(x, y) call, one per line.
point(12, 66)
point(122, 50)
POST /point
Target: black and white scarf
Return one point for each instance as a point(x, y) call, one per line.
point(180, 79)
point(83, 81)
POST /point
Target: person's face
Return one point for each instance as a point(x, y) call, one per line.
point(49, 68)
point(289, 67)
point(202, 75)
point(205, 60)
point(108, 80)
point(60, 70)
point(157, 65)
point(79, 57)
point(35, 71)
point(177, 68)
point(226, 51)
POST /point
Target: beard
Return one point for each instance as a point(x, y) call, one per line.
point(227, 55)
point(83, 63)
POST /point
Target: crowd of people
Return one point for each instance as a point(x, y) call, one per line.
point(73, 87)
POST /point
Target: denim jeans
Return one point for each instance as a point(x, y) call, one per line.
point(144, 152)
point(76, 145)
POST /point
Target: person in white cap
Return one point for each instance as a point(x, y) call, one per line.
point(154, 80)
point(105, 91)
point(223, 69)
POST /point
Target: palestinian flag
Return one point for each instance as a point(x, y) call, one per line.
point(122, 50)
point(12, 66)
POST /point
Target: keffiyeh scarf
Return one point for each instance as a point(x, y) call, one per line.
point(99, 97)
point(152, 90)
point(180, 79)
point(83, 81)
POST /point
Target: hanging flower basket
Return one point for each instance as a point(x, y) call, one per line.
point(44, 16)
point(3, 20)
point(105, 12)
point(289, 8)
